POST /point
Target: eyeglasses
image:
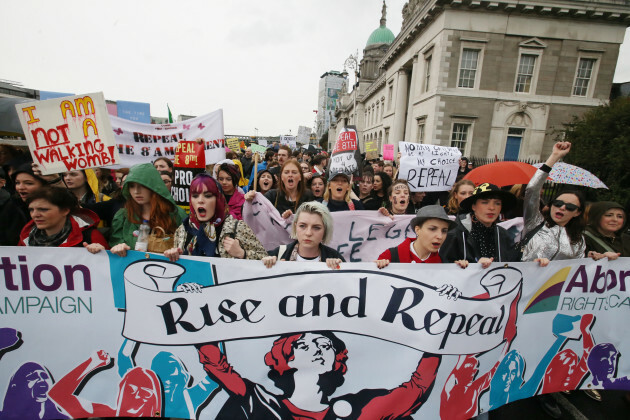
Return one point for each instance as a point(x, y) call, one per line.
point(568, 206)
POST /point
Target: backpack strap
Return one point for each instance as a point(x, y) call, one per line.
point(394, 253)
point(87, 235)
point(599, 241)
point(233, 234)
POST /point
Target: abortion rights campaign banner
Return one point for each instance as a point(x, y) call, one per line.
point(143, 143)
point(68, 133)
point(86, 335)
point(427, 167)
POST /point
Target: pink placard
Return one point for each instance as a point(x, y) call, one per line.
point(388, 152)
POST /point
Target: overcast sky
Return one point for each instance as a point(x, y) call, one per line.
point(258, 60)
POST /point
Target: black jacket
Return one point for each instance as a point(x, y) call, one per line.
point(459, 245)
point(325, 252)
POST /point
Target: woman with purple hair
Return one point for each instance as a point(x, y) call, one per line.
point(210, 230)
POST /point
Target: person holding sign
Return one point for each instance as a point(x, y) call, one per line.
point(337, 195)
point(477, 238)
point(431, 226)
point(147, 199)
point(57, 221)
point(312, 228)
point(210, 231)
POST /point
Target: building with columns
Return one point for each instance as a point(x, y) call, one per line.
point(493, 78)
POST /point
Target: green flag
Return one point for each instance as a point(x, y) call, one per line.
point(170, 116)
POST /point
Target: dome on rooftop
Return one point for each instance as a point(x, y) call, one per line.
point(381, 35)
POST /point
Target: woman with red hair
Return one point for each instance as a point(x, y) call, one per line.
point(147, 199)
point(308, 367)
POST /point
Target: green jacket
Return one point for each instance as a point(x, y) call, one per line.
point(146, 175)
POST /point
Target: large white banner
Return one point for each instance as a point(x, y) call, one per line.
point(87, 335)
point(427, 167)
point(357, 235)
point(143, 143)
point(69, 133)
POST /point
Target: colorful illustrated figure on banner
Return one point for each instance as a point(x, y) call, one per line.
point(427, 167)
point(345, 157)
point(98, 335)
point(69, 133)
point(189, 161)
point(143, 143)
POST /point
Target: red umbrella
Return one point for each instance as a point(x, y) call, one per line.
point(502, 173)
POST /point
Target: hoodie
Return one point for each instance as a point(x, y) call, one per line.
point(146, 175)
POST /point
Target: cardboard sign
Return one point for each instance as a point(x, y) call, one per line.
point(344, 155)
point(189, 162)
point(371, 150)
point(69, 133)
point(233, 144)
point(427, 167)
point(388, 152)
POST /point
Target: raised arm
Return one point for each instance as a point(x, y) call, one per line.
point(216, 365)
point(62, 393)
point(408, 397)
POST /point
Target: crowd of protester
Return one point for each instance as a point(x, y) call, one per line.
point(103, 209)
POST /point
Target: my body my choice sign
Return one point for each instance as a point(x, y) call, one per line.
point(427, 167)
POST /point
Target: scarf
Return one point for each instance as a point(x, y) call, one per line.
point(38, 237)
point(203, 240)
point(484, 237)
point(294, 254)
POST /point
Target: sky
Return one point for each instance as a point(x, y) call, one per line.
point(260, 61)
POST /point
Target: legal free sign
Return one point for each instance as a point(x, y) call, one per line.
point(69, 133)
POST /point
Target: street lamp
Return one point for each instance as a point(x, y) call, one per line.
point(256, 133)
point(352, 63)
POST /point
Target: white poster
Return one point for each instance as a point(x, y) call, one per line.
point(427, 167)
point(69, 133)
point(143, 143)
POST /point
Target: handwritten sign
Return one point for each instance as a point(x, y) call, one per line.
point(69, 133)
point(233, 144)
point(189, 161)
point(371, 150)
point(388, 151)
point(256, 148)
point(288, 141)
point(428, 167)
point(343, 158)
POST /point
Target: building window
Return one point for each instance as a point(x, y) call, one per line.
point(378, 110)
point(382, 108)
point(460, 135)
point(420, 136)
point(525, 73)
point(585, 70)
point(468, 68)
point(427, 72)
point(390, 96)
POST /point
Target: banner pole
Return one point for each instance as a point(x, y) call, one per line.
point(255, 171)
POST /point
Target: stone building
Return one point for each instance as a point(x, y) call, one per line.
point(493, 78)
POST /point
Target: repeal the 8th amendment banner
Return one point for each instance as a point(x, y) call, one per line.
point(87, 335)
